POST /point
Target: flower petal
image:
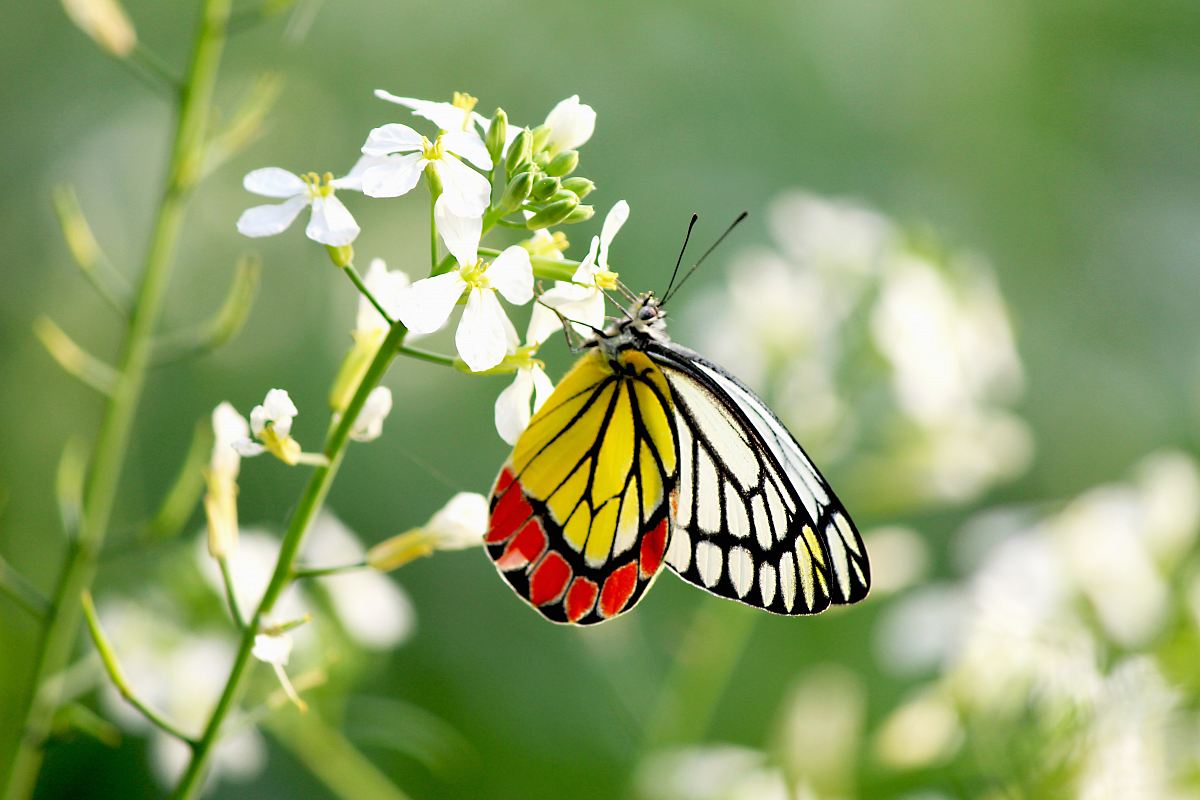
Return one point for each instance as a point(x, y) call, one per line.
point(482, 337)
point(426, 305)
point(542, 387)
point(369, 424)
point(467, 192)
point(331, 222)
point(511, 274)
point(273, 182)
point(586, 272)
point(468, 145)
point(571, 124)
point(397, 176)
point(270, 219)
point(461, 523)
point(512, 407)
point(543, 323)
point(460, 233)
point(279, 409)
point(446, 116)
point(353, 178)
point(247, 448)
point(392, 138)
point(613, 221)
point(387, 285)
point(580, 304)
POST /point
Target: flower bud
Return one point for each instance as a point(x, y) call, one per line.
point(562, 194)
point(563, 164)
point(342, 256)
point(460, 524)
point(581, 187)
point(520, 153)
point(580, 214)
point(544, 189)
point(106, 22)
point(553, 213)
point(541, 135)
point(434, 179)
point(515, 193)
point(497, 133)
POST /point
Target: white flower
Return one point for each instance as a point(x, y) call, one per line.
point(369, 424)
point(529, 383)
point(923, 731)
point(582, 300)
point(271, 424)
point(571, 125)
point(330, 222)
point(220, 502)
point(710, 772)
point(458, 115)
point(387, 286)
point(464, 191)
point(460, 524)
point(485, 333)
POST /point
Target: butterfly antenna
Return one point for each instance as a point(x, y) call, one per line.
point(686, 238)
point(707, 253)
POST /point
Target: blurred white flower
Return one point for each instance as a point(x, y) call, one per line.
point(180, 672)
point(582, 299)
point(822, 727)
point(571, 124)
point(1168, 484)
point(460, 524)
point(465, 192)
point(922, 630)
point(922, 732)
point(373, 610)
point(937, 370)
point(1127, 747)
point(713, 772)
point(369, 424)
point(275, 649)
point(220, 501)
point(485, 333)
point(330, 222)
point(899, 558)
point(106, 22)
point(387, 286)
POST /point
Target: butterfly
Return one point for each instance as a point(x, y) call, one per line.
point(648, 454)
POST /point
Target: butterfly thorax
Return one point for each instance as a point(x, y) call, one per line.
point(644, 321)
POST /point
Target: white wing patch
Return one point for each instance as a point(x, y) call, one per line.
point(755, 520)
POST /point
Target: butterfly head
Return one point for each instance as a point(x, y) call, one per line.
point(643, 320)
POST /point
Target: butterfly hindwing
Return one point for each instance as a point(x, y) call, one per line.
point(580, 513)
point(755, 522)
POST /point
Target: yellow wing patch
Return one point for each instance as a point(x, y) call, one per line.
point(600, 452)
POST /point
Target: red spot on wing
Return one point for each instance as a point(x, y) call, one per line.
point(618, 588)
point(525, 547)
point(549, 579)
point(580, 598)
point(654, 544)
point(509, 513)
point(502, 481)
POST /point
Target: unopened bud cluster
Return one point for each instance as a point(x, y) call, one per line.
point(538, 178)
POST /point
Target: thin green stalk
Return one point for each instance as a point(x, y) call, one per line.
point(21, 591)
point(306, 510)
point(318, 572)
point(62, 622)
point(427, 355)
point(235, 611)
point(361, 285)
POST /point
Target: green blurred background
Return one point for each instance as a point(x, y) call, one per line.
point(1059, 139)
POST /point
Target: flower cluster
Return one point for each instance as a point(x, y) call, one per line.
point(937, 370)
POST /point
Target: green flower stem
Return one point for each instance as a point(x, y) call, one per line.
point(21, 591)
point(317, 572)
point(62, 623)
point(306, 510)
point(427, 355)
point(230, 597)
point(108, 658)
point(361, 285)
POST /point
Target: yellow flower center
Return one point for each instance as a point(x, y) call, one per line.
point(432, 151)
point(475, 275)
point(318, 185)
point(606, 279)
point(467, 103)
point(286, 450)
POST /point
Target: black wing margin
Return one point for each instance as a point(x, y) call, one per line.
point(755, 521)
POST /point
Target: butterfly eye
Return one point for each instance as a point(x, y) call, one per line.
point(647, 313)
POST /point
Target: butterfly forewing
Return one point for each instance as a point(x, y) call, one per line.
point(755, 522)
point(580, 512)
